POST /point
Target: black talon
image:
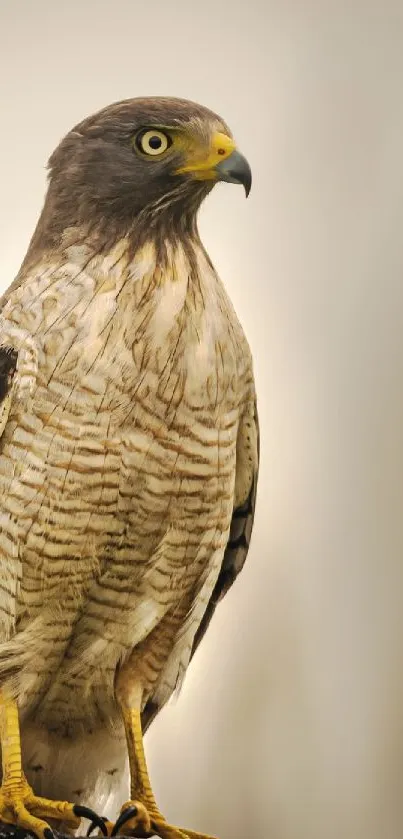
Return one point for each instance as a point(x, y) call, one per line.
point(48, 833)
point(87, 813)
point(123, 818)
point(93, 824)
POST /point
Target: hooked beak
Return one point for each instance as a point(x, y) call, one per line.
point(235, 169)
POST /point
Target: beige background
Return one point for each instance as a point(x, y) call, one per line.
point(290, 725)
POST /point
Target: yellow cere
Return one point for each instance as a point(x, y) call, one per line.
point(203, 168)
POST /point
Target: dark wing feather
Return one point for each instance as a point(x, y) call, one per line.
point(8, 365)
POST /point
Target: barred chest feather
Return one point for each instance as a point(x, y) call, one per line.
point(125, 356)
point(120, 447)
point(111, 336)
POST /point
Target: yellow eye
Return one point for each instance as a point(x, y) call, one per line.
point(153, 142)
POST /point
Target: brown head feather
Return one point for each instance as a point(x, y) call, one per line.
point(100, 186)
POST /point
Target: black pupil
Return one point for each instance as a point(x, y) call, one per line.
point(155, 142)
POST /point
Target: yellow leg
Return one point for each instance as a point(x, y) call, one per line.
point(18, 803)
point(143, 816)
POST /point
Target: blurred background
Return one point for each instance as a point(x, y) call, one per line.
point(290, 724)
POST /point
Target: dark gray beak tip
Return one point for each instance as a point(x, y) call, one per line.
point(235, 169)
point(248, 186)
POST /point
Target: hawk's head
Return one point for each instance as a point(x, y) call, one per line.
point(149, 160)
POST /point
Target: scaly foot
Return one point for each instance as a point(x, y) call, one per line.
point(21, 807)
point(140, 817)
point(138, 820)
point(18, 803)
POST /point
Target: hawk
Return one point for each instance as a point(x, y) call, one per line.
point(128, 459)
